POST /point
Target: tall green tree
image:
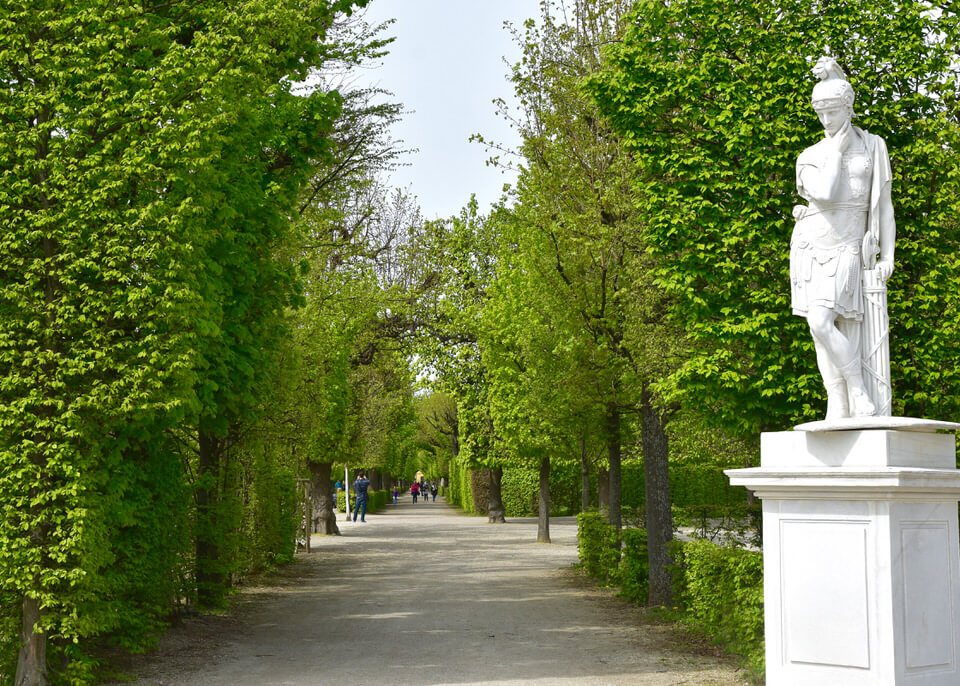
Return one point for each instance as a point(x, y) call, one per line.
point(578, 241)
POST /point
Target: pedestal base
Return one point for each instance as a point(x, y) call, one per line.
point(861, 558)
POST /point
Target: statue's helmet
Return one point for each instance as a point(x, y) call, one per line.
point(833, 90)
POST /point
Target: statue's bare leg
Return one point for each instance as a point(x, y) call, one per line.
point(839, 354)
point(837, 405)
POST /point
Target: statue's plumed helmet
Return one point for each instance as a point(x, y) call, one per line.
point(833, 90)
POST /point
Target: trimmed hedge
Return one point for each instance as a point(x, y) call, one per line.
point(720, 588)
point(521, 486)
point(596, 542)
point(598, 555)
point(634, 571)
point(692, 486)
point(461, 494)
point(520, 489)
point(699, 492)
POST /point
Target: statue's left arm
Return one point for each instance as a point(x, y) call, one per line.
point(887, 233)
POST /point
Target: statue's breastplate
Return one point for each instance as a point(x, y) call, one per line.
point(843, 220)
point(854, 186)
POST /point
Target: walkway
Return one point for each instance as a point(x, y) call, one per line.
point(424, 595)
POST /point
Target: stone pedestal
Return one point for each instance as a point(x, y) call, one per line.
point(861, 557)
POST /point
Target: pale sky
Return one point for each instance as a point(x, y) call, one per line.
point(446, 66)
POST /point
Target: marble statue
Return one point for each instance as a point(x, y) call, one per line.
point(841, 252)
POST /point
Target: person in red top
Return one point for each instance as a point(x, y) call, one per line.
point(415, 490)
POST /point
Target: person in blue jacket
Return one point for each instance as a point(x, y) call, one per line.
point(360, 487)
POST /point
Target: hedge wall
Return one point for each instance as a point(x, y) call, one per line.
point(691, 486)
point(519, 491)
point(701, 490)
point(460, 493)
point(375, 500)
point(596, 540)
point(521, 486)
point(722, 590)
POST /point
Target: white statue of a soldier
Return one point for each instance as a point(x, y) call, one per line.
point(838, 283)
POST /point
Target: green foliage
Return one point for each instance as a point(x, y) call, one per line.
point(722, 589)
point(719, 587)
point(460, 494)
point(519, 489)
point(378, 499)
point(712, 99)
point(150, 157)
point(634, 572)
point(554, 327)
point(597, 546)
point(521, 486)
point(270, 515)
point(9, 634)
point(692, 486)
point(466, 490)
point(599, 558)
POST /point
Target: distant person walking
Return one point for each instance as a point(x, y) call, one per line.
point(360, 487)
point(434, 490)
point(415, 490)
point(396, 494)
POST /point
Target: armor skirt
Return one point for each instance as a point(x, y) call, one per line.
point(828, 277)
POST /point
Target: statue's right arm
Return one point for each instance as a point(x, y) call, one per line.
point(818, 173)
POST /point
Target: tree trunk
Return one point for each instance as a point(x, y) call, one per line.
point(603, 488)
point(376, 481)
point(495, 510)
point(584, 478)
point(659, 516)
point(325, 509)
point(210, 578)
point(32, 661)
point(543, 516)
point(613, 457)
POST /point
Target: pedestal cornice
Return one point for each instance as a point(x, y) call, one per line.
point(844, 483)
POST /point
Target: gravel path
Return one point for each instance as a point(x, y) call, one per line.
point(424, 595)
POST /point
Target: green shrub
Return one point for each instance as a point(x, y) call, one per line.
point(634, 571)
point(378, 499)
point(597, 546)
point(596, 540)
point(519, 491)
point(722, 589)
point(341, 501)
point(564, 488)
point(461, 494)
point(703, 489)
point(480, 490)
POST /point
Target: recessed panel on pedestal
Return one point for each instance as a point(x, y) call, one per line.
point(824, 591)
point(927, 596)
